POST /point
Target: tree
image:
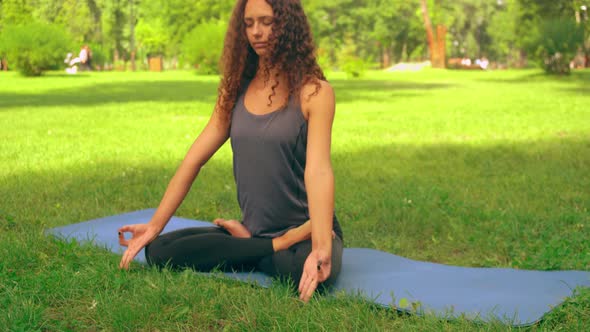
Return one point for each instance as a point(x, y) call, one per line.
point(180, 17)
point(16, 12)
point(436, 40)
point(560, 35)
point(394, 27)
point(582, 9)
point(331, 25)
point(504, 44)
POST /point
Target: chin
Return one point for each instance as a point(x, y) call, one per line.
point(261, 53)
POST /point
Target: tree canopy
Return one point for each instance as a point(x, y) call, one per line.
point(375, 33)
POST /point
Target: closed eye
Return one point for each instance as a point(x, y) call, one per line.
point(267, 20)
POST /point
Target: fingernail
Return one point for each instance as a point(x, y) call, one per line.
point(119, 233)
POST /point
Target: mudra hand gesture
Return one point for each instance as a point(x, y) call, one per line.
point(141, 236)
point(316, 270)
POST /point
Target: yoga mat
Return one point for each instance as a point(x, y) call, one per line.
point(516, 297)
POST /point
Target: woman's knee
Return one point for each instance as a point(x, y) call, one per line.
point(153, 252)
point(289, 263)
point(337, 250)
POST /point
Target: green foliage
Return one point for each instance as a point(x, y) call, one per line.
point(324, 62)
point(501, 28)
point(35, 47)
point(349, 62)
point(15, 12)
point(467, 23)
point(180, 17)
point(151, 37)
point(100, 55)
point(115, 22)
point(202, 47)
point(506, 31)
point(353, 66)
point(561, 39)
point(76, 17)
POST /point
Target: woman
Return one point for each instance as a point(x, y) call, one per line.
point(275, 105)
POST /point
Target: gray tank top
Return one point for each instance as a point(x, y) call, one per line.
point(269, 153)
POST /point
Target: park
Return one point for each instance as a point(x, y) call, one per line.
point(470, 168)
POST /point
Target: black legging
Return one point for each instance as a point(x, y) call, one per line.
point(204, 248)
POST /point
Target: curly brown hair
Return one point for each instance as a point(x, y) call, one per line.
point(292, 54)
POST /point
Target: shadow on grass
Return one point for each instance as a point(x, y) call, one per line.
point(578, 76)
point(508, 205)
point(583, 90)
point(58, 197)
point(381, 90)
point(116, 92)
point(185, 91)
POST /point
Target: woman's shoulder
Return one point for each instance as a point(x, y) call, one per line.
point(314, 91)
point(316, 94)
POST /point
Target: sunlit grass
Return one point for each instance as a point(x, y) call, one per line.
point(463, 168)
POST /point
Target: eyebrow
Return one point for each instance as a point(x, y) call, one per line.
point(259, 17)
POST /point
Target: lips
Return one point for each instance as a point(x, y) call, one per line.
point(259, 45)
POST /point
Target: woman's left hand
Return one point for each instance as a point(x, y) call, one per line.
point(316, 269)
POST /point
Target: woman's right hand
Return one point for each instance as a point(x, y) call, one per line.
point(141, 235)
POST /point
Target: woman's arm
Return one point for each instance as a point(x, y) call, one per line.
point(319, 183)
point(209, 141)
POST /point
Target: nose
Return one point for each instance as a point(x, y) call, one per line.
point(256, 30)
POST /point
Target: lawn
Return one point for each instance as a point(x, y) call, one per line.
point(464, 168)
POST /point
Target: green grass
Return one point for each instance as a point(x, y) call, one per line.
point(464, 168)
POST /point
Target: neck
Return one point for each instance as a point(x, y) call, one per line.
point(259, 78)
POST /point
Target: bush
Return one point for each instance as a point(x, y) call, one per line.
point(349, 62)
point(560, 40)
point(354, 67)
point(34, 47)
point(202, 46)
point(100, 56)
point(151, 37)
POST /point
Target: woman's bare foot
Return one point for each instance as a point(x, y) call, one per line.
point(234, 227)
point(292, 236)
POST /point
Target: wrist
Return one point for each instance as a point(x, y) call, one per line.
point(154, 228)
point(323, 250)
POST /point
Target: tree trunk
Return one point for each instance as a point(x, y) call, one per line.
point(436, 44)
point(386, 58)
point(133, 60)
point(428, 27)
point(441, 38)
point(132, 34)
point(404, 56)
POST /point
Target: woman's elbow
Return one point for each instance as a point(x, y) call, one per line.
point(318, 173)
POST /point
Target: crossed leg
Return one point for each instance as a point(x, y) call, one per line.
point(229, 246)
point(283, 242)
point(292, 236)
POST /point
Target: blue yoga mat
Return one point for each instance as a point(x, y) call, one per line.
point(516, 297)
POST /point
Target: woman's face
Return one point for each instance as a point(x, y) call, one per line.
point(259, 19)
